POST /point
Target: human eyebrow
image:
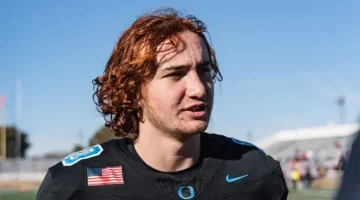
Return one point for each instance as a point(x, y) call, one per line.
point(181, 67)
point(177, 67)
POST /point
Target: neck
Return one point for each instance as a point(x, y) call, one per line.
point(165, 153)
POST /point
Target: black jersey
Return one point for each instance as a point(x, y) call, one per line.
point(228, 169)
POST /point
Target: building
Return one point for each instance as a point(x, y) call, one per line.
point(323, 143)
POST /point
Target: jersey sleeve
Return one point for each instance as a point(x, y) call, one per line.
point(264, 176)
point(46, 188)
point(49, 190)
point(59, 184)
point(275, 186)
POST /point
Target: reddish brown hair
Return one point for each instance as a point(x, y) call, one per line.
point(133, 63)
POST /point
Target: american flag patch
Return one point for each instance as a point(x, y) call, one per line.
point(105, 176)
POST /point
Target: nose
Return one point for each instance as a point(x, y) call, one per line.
point(195, 87)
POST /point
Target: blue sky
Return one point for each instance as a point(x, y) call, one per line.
point(283, 62)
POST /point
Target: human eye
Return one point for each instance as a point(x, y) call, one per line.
point(176, 74)
point(206, 69)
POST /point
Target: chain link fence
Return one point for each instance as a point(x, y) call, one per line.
point(25, 169)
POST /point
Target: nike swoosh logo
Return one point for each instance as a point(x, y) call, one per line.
point(230, 180)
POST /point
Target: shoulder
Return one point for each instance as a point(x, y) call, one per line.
point(98, 154)
point(82, 155)
point(94, 155)
point(238, 152)
point(244, 159)
point(229, 146)
point(72, 168)
point(66, 179)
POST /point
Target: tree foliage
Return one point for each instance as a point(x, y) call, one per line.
point(77, 147)
point(11, 142)
point(102, 135)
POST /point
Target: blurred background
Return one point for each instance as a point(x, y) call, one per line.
point(291, 82)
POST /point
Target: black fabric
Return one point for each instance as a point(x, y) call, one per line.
point(350, 186)
point(254, 175)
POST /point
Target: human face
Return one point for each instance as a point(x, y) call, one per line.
point(179, 99)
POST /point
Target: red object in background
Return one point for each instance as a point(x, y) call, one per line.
point(303, 156)
point(2, 101)
point(337, 144)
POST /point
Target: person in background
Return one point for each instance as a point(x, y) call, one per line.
point(350, 186)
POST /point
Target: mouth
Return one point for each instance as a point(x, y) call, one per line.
point(198, 108)
point(197, 111)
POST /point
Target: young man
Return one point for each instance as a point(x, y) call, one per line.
point(157, 93)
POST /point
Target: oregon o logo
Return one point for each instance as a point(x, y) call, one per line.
point(186, 192)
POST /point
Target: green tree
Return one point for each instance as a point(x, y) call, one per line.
point(77, 147)
point(12, 137)
point(102, 135)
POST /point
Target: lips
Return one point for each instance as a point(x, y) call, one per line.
point(196, 110)
point(196, 107)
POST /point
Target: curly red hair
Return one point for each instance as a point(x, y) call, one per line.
point(133, 63)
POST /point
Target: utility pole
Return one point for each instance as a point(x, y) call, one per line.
point(18, 105)
point(340, 101)
point(249, 136)
point(3, 140)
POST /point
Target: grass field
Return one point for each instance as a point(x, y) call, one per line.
point(18, 196)
point(300, 195)
point(311, 195)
